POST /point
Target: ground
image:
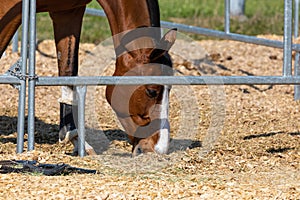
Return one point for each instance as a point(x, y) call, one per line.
point(228, 142)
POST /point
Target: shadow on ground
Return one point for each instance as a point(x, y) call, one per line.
point(48, 134)
point(44, 133)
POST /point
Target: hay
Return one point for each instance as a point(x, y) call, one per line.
point(256, 155)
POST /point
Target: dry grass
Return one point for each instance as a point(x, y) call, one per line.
point(255, 156)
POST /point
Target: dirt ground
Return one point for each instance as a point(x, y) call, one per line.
point(228, 142)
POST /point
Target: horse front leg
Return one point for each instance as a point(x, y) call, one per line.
point(67, 28)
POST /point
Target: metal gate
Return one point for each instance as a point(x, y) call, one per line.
point(21, 78)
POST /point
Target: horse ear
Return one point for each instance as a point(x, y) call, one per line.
point(164, 44)
point(168, 39)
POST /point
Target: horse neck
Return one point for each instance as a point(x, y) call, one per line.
point(126, 15)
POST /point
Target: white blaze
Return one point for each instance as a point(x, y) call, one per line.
point(164, 132)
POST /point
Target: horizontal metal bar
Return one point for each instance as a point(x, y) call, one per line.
point(212, 33)
point(95, 12)
point(169, 80)
point(5, 79)
point(229, 36)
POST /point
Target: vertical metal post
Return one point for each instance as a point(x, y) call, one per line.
point(297, 56)
point(31, 73)
point(296, 18)
point(15, 41)
point(22, 91)
point(287, 40)
point(81, 93)
point(227, 16)
point(237, 7)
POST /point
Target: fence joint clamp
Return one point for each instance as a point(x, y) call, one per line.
point(15, 70)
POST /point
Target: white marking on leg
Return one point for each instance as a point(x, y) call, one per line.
point(70, 135)
point(66, 95)
point(164, 133)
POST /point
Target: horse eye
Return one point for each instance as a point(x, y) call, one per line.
point(152, 93)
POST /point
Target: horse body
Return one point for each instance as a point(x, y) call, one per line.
point(143, 52)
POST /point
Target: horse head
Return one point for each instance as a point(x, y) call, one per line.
point(139, 107)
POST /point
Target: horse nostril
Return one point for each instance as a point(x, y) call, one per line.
point(151, 93)
point(137, 151)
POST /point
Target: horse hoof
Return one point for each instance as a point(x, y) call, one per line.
point(90, 152)
point(74, 153)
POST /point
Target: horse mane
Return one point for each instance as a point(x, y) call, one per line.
point(154, 12)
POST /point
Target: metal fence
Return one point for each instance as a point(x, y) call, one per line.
point(21, 78)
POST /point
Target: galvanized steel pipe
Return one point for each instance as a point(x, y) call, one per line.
point(22, 91)
point(31, 73)
point(287, 38)
point(169, 80)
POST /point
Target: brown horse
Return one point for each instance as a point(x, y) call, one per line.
point(140, 50)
